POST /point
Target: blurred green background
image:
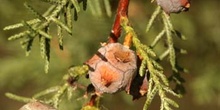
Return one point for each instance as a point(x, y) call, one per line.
point(25, 75)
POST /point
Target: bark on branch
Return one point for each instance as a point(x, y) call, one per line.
point(122, 11)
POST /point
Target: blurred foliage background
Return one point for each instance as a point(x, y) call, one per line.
point(25, 75)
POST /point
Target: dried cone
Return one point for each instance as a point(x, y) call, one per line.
point(112, 68)
point(174, 6)
point(36, 106)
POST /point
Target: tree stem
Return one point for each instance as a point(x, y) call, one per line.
point(122, 11)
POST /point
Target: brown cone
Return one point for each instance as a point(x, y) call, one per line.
point(174, 6)
point(36, 106)
point(112, 68)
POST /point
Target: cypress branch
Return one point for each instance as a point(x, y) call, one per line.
point(150, 95)
point(157, 38)
point(62, 25)
point(158, 82)
point(143, 67)
point(148, 50)
point(18, 98)
point(60, 37)
point(162, 77)
point(157, 65)
point(168, 29)
point(34, 12)
point(57, 97)
point(48, 36)
point(167, 89)
point(149, 63)
point(69, 16)
point(19, 35)
point(33, 32)
point(164, 54)
point(153, 17)
point(76, 5)
point(46, 92)
point(18, 25)
point(42, 47)
point(78, 71)
point(47, 54)
point(49, 10)
point(171, 102)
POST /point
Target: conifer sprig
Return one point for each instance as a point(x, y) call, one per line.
point(158, 82)
point(40, 25)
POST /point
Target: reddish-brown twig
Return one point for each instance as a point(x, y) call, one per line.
point(93, 100)
point(122, 11)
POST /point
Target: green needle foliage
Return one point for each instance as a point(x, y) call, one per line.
point(158, 82)
point(59, 13)
point(57, 93)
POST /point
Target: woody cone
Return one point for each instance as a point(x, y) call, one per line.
point(174, 6)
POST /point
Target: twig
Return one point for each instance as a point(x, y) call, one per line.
point(122, 11)
point(18, 98)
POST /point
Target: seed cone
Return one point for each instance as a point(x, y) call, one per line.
point(36, 106)
point(174, 6)
point(112, 68)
